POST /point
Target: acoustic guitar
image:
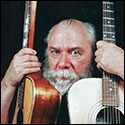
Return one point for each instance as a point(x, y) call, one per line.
point(96, 100)
point(38, 101)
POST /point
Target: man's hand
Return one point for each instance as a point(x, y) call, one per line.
point(24, 62)
point(110, 58)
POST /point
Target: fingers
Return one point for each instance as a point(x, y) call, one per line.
point(31, 65)
point(26, 61)
point(30, 58)
point(26, 51)
point(23, 63)
point(26, 55)
point(98, 66)
point(29, 70)
point(98, 61)
point(98, 58)
point(99, 53)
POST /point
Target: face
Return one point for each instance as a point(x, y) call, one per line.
point(68, 57)
point(69, 49)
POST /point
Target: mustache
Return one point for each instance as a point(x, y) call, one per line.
point(63, 74)
point(61, 85)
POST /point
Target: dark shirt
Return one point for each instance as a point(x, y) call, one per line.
point(63, 117)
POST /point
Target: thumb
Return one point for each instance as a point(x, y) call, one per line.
point(100, 43)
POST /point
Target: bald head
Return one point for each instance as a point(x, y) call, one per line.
point(71, 23)
point(78, 25)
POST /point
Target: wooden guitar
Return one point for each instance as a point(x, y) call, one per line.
point(37, 100)
point(96, 100)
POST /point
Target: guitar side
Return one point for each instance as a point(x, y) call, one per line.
point(41, 102)
point(85, 100)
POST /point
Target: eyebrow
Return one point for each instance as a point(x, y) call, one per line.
point(75, 48)
point(54, 48)
point(69, 49)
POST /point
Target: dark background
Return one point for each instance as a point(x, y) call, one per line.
point(48, 14)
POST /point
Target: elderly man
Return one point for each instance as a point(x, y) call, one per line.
point(68, 58)
point(69, 55)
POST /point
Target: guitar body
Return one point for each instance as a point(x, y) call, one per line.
point(41, 102)
point(85, 103)
point(95, 100)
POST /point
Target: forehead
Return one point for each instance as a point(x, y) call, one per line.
point(76, 35)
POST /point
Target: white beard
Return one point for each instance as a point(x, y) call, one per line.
point(61, 85)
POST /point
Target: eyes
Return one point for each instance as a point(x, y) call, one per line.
point(55, 52)
point(74, 53)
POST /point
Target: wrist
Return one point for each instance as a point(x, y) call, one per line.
point(7, 84)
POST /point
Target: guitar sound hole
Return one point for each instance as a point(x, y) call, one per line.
point(110, 115)
point(20, 117)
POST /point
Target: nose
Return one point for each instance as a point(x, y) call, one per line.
point(64, 62)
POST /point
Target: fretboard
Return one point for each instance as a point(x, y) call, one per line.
point(28, 39)
point(29, 24)
point(108, 22)
point(110, 86)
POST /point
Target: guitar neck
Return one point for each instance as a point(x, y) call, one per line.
point(29, 24)
point(108, 22)
point(28, 39)
point(110, 86)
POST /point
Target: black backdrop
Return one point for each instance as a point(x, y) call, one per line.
point(48, 14)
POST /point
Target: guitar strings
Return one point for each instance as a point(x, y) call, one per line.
point(113, 112)
point(113, 77)
point(115, 85)
point(105, 75)
point(109, 76)
point(104, 22)
point(108, 14)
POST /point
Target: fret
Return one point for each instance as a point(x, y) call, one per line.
point(108, 18)
point(110, 26)
point(109, 90)
point(110, 40)
point(110, 103)
point(106, 2)
point(108, 7)
point(108, 15)
point(110, 30)
point(106, 32)
point(109, 36)
point(113, 99)
point(108, 22)
point(110, 11)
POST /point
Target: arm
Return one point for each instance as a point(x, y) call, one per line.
point(24, 62)
point(7, 93)
point(110, 58)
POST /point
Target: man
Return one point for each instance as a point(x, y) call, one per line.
point(69, 54)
